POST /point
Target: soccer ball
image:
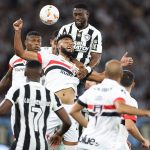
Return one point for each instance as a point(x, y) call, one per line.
point(49, 14)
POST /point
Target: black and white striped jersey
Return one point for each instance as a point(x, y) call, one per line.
point(32, 103)
point(86, 41)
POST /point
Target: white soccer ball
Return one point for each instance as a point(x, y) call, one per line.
point(49, 14)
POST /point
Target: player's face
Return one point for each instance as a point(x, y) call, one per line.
point(66, 46)
point(80, 17)
point(33, 43)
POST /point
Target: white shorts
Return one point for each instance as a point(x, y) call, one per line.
point(54, 122)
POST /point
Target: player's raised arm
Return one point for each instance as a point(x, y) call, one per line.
point(18, 46)
point(5, 106)
point(6, 81)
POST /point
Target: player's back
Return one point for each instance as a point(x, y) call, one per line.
point(32, 103)
point(104, 120)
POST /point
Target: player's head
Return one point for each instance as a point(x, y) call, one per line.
point(33, 41)
point(33, 70)
point(113, 70)
point(81, 15)
point(65, 45)
point(127, 79)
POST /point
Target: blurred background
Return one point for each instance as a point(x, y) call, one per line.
point(124, 24)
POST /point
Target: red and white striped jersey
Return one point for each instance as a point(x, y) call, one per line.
point(104, 120)
point(18, 66)
point(132, 102)
point(59, 73)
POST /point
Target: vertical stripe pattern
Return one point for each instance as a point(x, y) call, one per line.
point(32, 109)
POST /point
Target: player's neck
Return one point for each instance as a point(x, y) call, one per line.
point(84, 26)
point(128, 89)
point(65, 57)
point(33, 80)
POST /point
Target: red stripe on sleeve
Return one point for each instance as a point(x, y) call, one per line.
point(119, 99)
point(18, 60)
point(109, 107)
point(39, 57)
point(90, 106)
point(134, 118)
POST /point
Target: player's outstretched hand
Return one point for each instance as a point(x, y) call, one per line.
point(146, 144)
point(125, 60)
point(55, 140)
point(18, 24)
point(82, 73)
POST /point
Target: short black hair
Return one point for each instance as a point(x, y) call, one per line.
point(33, 64)
point(64, 36)
point(127, 78)
point(82, 6)
point(35, 33)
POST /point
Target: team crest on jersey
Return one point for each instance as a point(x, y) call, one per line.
point(87, 37)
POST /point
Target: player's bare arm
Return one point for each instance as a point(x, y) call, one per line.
point(56, 139)
point(82, 73)
point(18, 46)
point(5, 106)
point(127, 109)
point(95, 59)
point(77, 115)
point(6, 81)
point(134, 131)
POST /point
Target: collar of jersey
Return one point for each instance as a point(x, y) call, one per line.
point(110, 81)
point(81, 29)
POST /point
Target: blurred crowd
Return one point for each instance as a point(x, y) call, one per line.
point(125, 26)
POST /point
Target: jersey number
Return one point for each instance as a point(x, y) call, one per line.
point(38, 113)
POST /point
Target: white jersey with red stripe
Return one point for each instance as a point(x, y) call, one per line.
point(123, 133)
point(18, 66)
point(59, 73)
point(104, 120)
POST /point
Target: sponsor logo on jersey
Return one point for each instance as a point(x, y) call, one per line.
point(79, 47)
point(88, 140)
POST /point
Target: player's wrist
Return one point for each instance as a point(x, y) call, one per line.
point(89, 69)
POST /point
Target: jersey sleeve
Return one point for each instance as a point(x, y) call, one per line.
point(120, 96)
point(83, 99)
point(62, 31)
point(13, 94)
point(56, 103)
point(96, 44)
point(11, 62)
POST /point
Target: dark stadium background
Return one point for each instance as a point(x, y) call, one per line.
point(124, 24)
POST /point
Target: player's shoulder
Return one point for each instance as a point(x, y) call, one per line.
point(14, 59)
point(133, 101)
point(67, 25)
point(94, 29)
point(46, 49)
